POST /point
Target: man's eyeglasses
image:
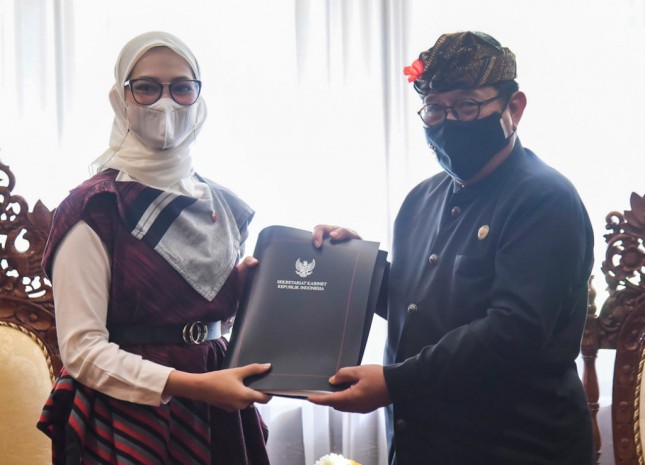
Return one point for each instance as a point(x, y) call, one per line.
point(147, 91)
point(463, 110)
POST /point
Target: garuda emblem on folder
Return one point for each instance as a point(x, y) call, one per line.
point(305, 268)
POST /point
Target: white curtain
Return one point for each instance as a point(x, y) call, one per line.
point(311, 120)
point(300, 433)
point(36, 50)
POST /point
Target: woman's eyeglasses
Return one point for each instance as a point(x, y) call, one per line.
point(147, 91)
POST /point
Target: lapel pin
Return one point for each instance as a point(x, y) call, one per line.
point(483, 232)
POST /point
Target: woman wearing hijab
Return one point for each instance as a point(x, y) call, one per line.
point(143, 259)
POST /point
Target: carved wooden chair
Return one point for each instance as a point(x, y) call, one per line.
point(620, 325)
point(29, 357)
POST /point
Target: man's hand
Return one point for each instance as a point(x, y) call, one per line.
point(335, 233)
point(367, 392)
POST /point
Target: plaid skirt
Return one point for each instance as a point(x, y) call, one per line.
point(87, 427)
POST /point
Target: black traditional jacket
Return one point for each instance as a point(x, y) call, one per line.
point(487, 304)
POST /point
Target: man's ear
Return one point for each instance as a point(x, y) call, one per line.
point(516, 106)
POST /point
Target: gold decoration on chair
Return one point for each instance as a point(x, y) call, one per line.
point(638, 405)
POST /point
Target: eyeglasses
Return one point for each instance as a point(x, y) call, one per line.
point(147, 91)
point(463, 110)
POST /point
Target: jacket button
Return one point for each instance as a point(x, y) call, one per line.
point(401, 425)
point(456, 211)
point(434, 258)
point(412, 308)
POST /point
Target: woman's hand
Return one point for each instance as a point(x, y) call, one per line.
point(243, 269)
point(335, 233)
point(224, 389)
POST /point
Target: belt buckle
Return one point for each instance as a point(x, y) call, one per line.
point(195, 332)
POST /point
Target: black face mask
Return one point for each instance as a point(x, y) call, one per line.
point(464, 147)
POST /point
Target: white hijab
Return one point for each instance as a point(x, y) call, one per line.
point(156, 168)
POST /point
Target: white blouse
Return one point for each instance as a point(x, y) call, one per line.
point(81, 282)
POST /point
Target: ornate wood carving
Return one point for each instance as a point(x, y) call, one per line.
point(26, 297)
point(623, 267)
point(620, 326)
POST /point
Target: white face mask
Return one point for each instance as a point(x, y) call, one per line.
point(163, 125)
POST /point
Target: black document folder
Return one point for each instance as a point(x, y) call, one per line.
point(307, 311)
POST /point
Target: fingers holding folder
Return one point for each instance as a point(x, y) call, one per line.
point(335, 234)
point(367, 391)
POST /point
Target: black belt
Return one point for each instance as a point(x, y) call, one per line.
point(190, 333)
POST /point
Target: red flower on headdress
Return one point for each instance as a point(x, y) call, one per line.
point(414, 71)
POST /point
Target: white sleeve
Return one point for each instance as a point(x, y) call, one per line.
point(81, 282)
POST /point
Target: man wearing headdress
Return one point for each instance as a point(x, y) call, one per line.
point(488, 283)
